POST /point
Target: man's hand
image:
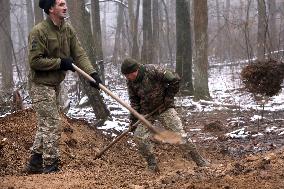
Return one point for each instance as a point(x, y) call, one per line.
point(132, 127)
point(66, 64)
point(98, 80)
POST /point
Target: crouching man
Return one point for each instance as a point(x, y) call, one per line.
point(150, 86)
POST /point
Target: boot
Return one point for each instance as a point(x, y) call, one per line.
point(198, 159)
point(152, 164)
point(146, 152)
point(53, 167)
point(34, 165)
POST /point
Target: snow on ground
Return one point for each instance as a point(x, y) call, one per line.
point(225, 89)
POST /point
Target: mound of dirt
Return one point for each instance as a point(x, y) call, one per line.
point(123, 167)
point(263, 77)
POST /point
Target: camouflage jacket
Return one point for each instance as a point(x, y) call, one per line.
point(49, 43)
point(152, 85)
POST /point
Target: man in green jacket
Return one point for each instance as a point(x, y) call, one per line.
point(53, 47)
point(149, 87)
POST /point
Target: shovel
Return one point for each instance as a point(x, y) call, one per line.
point(100, 153)
point(159, 134)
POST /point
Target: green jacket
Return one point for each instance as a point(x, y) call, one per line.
point(49, 43)
point(149, 90)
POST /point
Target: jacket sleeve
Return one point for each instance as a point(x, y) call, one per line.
point(79, 54)
point(134, 102)
point(37, 48)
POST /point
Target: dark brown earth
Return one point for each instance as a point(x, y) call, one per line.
point(254, 162)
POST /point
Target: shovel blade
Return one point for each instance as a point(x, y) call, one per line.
point(168, 137)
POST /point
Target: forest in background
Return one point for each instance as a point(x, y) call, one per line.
point(186, 35)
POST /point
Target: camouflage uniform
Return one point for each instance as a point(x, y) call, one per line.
point(48, 44)
point(152, 87)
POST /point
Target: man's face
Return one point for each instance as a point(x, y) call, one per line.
point(132, 76)
point(59, 10)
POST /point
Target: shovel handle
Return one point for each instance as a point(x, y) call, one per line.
point(133, 111)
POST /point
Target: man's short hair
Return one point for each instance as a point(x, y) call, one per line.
point(46, 5)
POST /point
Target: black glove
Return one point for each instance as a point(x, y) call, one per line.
point(66, 64)
point(132, 127)
point(98, 80)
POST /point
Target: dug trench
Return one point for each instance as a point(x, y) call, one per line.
point(253, 162)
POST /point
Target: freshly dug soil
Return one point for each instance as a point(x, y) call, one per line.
point(234, 163)
point(263, 77)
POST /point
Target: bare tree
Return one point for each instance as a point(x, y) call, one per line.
point(184, 48)
point(38, 13)
point(81, 21)
point(30, 15)
point(118, 32)
point(97, 35)
point(6, 57)
point(262, 30)
point(201, 89)
point(147, 47)
point(272, 33)
point(134, 27)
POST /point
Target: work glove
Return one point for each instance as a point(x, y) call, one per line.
point(132, 127)
point(66, 64)
point(98, 80)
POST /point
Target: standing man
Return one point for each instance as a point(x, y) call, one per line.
point(150, 86)
point(53, 47)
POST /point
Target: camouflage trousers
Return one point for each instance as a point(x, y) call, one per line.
point(45, 103)
point(170, 120)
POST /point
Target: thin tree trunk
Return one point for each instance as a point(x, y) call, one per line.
point(168, 33)
point(38, 12)
point(201, 45)
point(6, 57)
point(97, 35)
point(117, 42)
point(262, 30)
point(30, 15)
point(184, 48)
point(156, 29)
point(147, 47)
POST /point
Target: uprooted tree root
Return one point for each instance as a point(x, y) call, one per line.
point(263, 77)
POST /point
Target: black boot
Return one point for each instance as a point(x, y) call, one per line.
point(34, 165)
point(53, 167)
point(152, 164)
point(198, 159)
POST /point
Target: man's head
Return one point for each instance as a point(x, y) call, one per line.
point(55, 8)
point(46, 5)
point(129, 68)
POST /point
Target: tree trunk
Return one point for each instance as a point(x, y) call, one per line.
point(272, 34)
point(262, 30)
point(97, 35)
point(38, 12)
point(147, 47)
point(30, 15)
point(156, 29)
point(81, 21)
point(168, 33)
point(184, 48)
point(117, 42)
point(6, 57)
point(134, 28)
point(201, 89)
